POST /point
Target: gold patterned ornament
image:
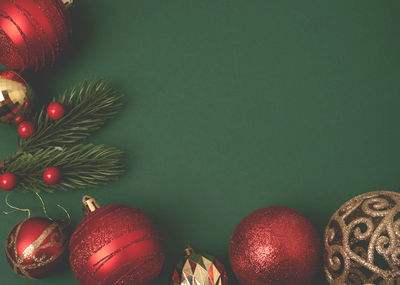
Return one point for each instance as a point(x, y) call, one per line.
point(198, 269)
point(15, 96)
point(362, 241)
point(35, 246)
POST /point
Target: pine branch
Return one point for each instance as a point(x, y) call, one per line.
point(88, 106)
point(81, 166)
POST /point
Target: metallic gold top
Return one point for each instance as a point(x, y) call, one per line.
point(188, 251)
point(68, 3)
point(89, 204)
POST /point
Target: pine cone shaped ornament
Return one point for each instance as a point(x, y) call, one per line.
point(198, 269)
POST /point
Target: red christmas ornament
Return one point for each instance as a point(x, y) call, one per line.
point(52, 175)
point(8, 181)
point(26, 129)
point(116, 245)
point(55, 111)
point(32, 32)
point(35, 246)
point(275, 245)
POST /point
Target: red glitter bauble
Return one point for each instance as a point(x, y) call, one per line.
point(26, 129)
point(32, 32)
point(275, 245)
point(8, 181)
point(116, 245)
point(35, 246)
point(55, 111)
point(51, 175)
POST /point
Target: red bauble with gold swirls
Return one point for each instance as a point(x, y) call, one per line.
point(32, 32)
point(275, 245)
point(116, 245)
point(35, 246)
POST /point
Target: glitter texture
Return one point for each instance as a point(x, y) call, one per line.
point(275, 245)
point(32, 32)
point(34, 247)
point(117, 245)
point(362, 240)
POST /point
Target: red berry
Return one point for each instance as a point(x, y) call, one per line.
point(26, 129)
point(18, 119)
point(51, 175)
point(55, 111)
point(8, 181)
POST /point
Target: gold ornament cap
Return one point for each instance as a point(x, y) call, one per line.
point(188, 251)
point(89, 205)
point(68, 3)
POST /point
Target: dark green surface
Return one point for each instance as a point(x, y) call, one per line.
point(231, 106)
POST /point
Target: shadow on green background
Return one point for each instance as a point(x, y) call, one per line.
point(231, 106)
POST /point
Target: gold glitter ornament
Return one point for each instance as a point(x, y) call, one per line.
point(15, 96)
point(362, 241)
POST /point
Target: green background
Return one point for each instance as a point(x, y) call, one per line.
point(231, 106)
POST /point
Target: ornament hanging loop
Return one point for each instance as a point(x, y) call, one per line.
point(59, 206)
point(15, 209)
point(89, 205)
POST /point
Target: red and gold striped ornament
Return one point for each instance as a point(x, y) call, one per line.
point(116, 245)
point(33, 32)
point(35, 246)
point(15, 96)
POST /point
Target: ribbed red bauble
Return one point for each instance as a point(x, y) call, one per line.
point(115, 245)
point(8, 181)
point(32, 32)
point(275, 245)
point(55, 111)
point(26, 129)
point(51, 175)
point(35, 246)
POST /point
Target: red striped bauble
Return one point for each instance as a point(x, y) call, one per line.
point(115, 244)
point(32, 32)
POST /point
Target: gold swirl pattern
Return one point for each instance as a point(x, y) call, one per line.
point(362, 241)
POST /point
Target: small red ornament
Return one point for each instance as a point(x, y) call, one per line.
point(26, 129)
point(8, 181)
point(18, 119)
point(55, 111)
point(32, 32)
point(51, 175)
point(116, 245)
point(35, 246)
point(275, 245)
